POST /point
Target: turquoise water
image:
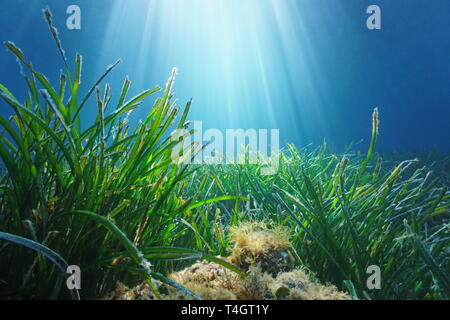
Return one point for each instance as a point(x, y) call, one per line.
point(308, 67)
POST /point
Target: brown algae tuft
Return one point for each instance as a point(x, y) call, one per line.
point(139, 292)
point(256, 245)
point(208, 279)
point(295, 285)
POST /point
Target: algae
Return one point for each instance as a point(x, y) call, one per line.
point(263, 253)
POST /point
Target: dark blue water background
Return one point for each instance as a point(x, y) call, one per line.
point(308, 67)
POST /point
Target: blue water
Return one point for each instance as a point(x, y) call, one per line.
point(308, 67)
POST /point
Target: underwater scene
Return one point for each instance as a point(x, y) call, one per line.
point(224, 150)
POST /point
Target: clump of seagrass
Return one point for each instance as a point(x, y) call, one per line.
point(264, 254)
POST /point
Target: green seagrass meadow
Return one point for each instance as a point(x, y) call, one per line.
point(108, 198)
